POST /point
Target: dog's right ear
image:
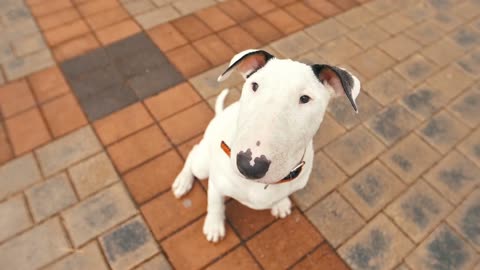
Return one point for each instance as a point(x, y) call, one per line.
point(246, 62)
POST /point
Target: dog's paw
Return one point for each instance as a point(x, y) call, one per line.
point(282, 209)
point(182, 184)
point(214, 228)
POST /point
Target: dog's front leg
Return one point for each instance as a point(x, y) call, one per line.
point(282, 208)
point(214, 227)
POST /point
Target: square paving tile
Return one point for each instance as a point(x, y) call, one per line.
point(15, 97)
point(466, 37)
point(323, 257)
point(368, 36)
point(470, 147)
point(443, 249)
point(283, 21)
point(387, 87)
point(188, 60)
point(70, 118)
point(261, 30)
point(166, 37)
point(356, 17)
point(426, 32)
point(370, 190)
point(371, 62)
point(246, 221)
point(338, 50)
point(404, 160)
point(399, 46)
point(415, 68)
point(443, 52)
point(238, 39)
point(419, 210)
point(335, 218)
point(425, 100)
point(342, 111)
point(18, 217)
point(452, 78)
point(466, 219)
point(238, 259)
point(328, 131)
point(48, 83)
point(454, 176)
point(379, 245)
point(467, 107)
point(471, 62)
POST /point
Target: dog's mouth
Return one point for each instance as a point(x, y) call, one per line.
point(292, 175)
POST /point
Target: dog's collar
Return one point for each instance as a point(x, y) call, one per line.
point(292, 175)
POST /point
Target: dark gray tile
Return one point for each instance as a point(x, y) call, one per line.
point(84, 63)
point(154, 81)
point(140, 63)
point(107, 101)
point(95, 81)
point(131, 45)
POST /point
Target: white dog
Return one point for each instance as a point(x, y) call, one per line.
point(269, 131)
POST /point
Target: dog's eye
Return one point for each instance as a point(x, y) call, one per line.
point(304, 99)
point(254, 86)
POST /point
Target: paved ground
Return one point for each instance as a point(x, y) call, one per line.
point(101, 101)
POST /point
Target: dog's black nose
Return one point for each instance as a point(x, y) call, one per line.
point(259, 168)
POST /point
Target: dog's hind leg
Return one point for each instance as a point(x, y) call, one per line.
point(196, 165)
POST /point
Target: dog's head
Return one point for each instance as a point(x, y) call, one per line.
point(281, 107)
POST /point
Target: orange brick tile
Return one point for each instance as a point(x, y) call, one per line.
point(281, 3)
point(186, 147)
point(283, 21)
point(214, 49)
point(15, 97)
point(303, 13)
point(239, 259)
point(63, 115)
point(192, 241)
point(284, 242)
point(323, 7)
point(247, 221)
point(138, 148)
point(27, 131)
point(65, 32)
point(6, 152)
point(166, 37)
point(323, 258)
point(172, 100)
point(175, 212)
point(122, 123)
point(75, 47)
point(153, 177)
point(215, 18)
point(260, 6)
point(47, 7)
point(188, 61)
point(346, 4)
point(107, 17)
point(91, 7)
point(58, 18)
point(117, 31)
point(237, 10)
point(238, 39)
point(187, 124)
point(48, 83)
point(262, 30)
point(191, 27)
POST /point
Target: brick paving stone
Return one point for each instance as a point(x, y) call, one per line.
point(138, 7)
point(425, 33)
point(419, 210)
point(65, 32)
point(446, 21)
point(394, 23)
point(466, 37)
point(188, 61)
point(471, 62)
point(50, 197)
point(70, 119)
point(368, 36)
point(48, 83)
point(128, 244)
point(117, 31)
point(75, 47)
point(404, 160)
point(284, 242)
point(233, 96)
point(392, 123)
point(356, 17)
point(443, 52)
point(98, 213)
point(338, 50)
point(372, 189)
point(323, 257)
point(188, 6)
point(237, 10)
point(379, 245)
point(58, 18)
point(159, 262)
point(92, 175)
point(335, 218)
point(283, 21)
point(89, 257)
point(470, 147)
point(67, 150)
point(206, 83)
point(6, 152)
point(237, 259)
point(454, 176)
point(30, 63)
point(354, 149)
point(328, 131)
point(106, 18)
point(166, 37)
point(443, 249)
point(303, 13)
point(400, 46)
point(466, 219)
point(29, 44)
point(15, 97)
point(215, 50)
point(324, 7)
point(325, 177)
point(342, 111)
point(387, 87)
point(371, 62)
point(18, 217)
point(452, 78)
point(261, 30)
point(415, 68)
point(192, 27)
point(191, 240)
point(215, 18)
point(36, 247)
point(238, 39)
point(467, 106)
point(425, 100)
point(443, 131)
point(294, 45)
point(326, 30)
point(18, 174)
point(247, 221)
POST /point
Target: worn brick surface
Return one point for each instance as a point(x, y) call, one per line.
point(18, 218)
point(18, 174)
point(465, 218)
point(88, 257)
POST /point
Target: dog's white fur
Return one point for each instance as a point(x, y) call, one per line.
point(271, 122)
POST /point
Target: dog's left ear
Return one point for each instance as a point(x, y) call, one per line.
point(246, 62)
point(341, 81)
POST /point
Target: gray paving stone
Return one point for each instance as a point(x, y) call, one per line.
point(92, 60)
point(443, 249)
point(29, 44)
point(141, 62)
point(155, 80)
point(67, 150)
point(158, 262)
point(294, 45)
point(18, 174)
point(128, 244)
point(88, 257)
point(95, 81)
point(50, 197)
point(466, 219)
point(98, 213)
point(36, 247)
point(424, 101)
point(132, 45)
point(6, 52)
point(15, 217)
point(28, 64)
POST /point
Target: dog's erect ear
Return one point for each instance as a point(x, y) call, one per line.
point(246, 62)
point(340, 80)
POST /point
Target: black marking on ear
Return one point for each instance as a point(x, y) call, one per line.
point(265, 54)
point(345, 78)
